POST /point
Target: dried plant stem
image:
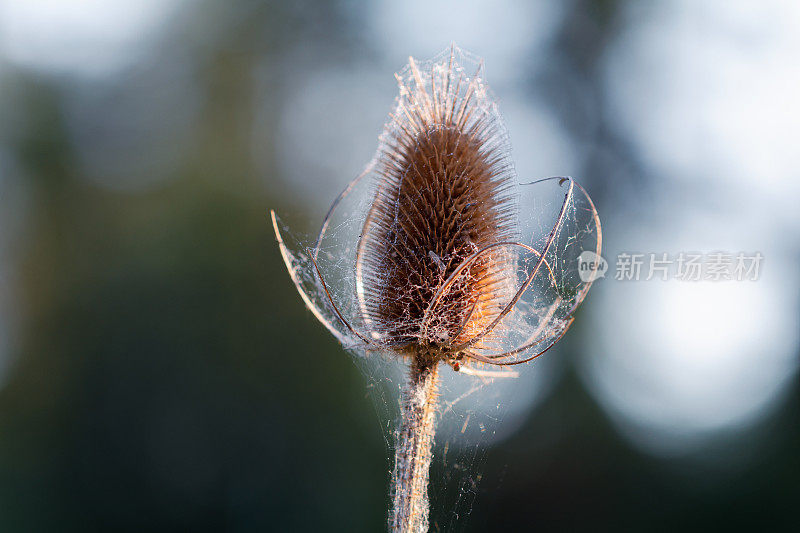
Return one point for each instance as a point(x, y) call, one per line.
point(412, 461)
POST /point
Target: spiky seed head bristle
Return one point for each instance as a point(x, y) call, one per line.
point(443, 193)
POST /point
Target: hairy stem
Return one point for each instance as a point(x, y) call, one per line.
point(412, 460)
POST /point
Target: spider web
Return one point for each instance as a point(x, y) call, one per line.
point(478, 406)
point(538, 287)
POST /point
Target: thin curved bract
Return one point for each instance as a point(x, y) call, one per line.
point(528, 281)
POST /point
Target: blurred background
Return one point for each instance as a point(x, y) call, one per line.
point(159, 372)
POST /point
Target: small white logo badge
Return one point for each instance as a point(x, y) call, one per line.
point(591, 266)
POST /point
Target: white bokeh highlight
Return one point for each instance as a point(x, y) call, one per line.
point(86, 37)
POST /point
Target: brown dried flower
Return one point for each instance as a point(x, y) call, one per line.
point(433, 258)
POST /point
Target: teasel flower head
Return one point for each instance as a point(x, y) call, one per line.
point(436, 252)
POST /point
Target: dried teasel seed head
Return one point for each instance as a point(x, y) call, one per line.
point(443, 192)
point(441, 272)
point(442, 264)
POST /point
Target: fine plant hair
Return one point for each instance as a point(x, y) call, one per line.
point(440, 274)
point(443, 193)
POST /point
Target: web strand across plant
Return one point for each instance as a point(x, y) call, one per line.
point(436, 254)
